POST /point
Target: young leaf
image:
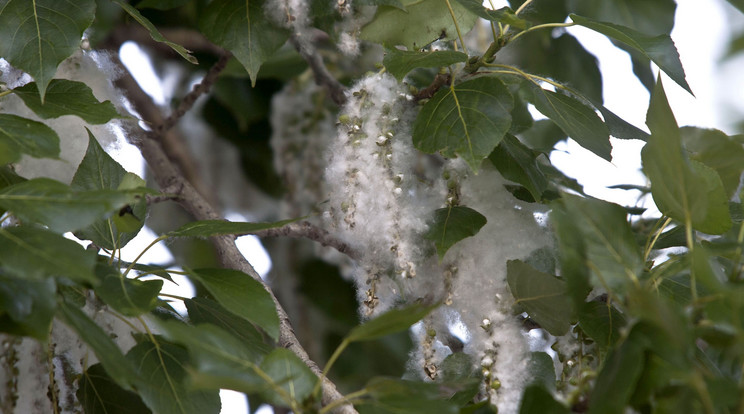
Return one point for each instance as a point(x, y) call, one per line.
point(203, 310)
point(466, 120)
point(541, 295)
point(56, 205)
point(680, 189)
point(163, 385)
point(503, 15)
point(38, 35)
point(601, 322)
point(718, 151)
point(577, 120)
point(207, 228)
point(24, 136)
point(452, 224)
point(389, 322)
point(400, 62)
point(27, 306)
point(660, 49)
point(289, 373)
point(154, 33)
point(130, 297)
point(422, 22)
point(518, 163)
point(241, 295)
point(33, 253)
point(219, 359)
point(98, 171)
point(66, 97)
point(108, 353)
point(243, 29)
point(98, 393)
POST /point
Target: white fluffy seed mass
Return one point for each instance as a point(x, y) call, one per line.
point(382, 194)
point(95, 70)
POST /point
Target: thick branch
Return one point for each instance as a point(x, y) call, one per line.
point(307, 230)
point(169, 177)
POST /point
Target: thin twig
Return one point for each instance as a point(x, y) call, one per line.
point(307, 230)
point(323, 77)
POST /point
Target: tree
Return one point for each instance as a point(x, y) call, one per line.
point(418, 230)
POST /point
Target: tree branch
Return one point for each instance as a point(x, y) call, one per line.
point(335, 89)
point(307, 230)
point(169, 177)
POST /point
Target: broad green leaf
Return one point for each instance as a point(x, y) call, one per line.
point(291, 374)
point(611, 251)
point(219, 360)
point(241, 295)
point(26, 306)
point(504, 15)
point(7, 178)
point(203, 310)
point(66, 97)
point(466, 120)
point(32, 253)
point(542, 136)
point(108, 353)
point(393, 3)
point(56, 205)
point(518, 163)
point(161, 4)
point(154, 33)
point(459, 368)
point(538, 400)
point(718, 151)
point(130, 297)
point(38, 35)
point(572, 253)
point(163, 386)
point(24, 136)
point(540, 366)
point(452, 224)
point(617, 379)
point(577, 120)
point(682, 190)
point(392, 395)
point(389, 322)
point(98, 171)
point(243, 29)
point(422, 22)
point(660, 49)
point(541, 295)
point(400, 62)
point(99, 394)
point(601, 322)
point(207, 228)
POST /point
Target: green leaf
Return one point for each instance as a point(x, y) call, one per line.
point(154, 33)
point(682, 190)
point(108, 353)
point(7, 178)
point(218, 359)
point(718, 151)
point(504, 15)
point(98, 171)
point(518, 163)
point(400, 62)
point(422, 22)
point(203, 310)
point(241, 295)
point(56, 205)
point(163, 385)
point(161, 4)
point(466, 120)
point(458, 368)
point(601, 322)
point(389, 395)
point(24, 136)
point(291, 374)
point(618, 378)
point(538, 400)
point(207, 228)
point(541, 295)
point(393, 3)
point(610, 249)
point(389, 322)
point(452, 224)
point(33, 253)
point(130, 297)
point(38, 35)
point(660, 49)
point(26, 306)
point(243, 29)
point(540, 366)
point(66, 97)
point(577, 120)
point(99, 394)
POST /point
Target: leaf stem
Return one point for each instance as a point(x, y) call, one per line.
point(8, 92)
point(650, 243)
point(690, 246)
point(522, 7)
point(457, 26)
point(347, 399)
point(134, 262)
point(541, 26)
point(341, 347)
